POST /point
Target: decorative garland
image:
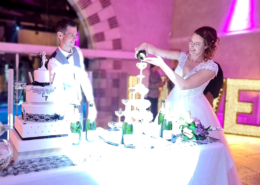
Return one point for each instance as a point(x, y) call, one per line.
point(42, 117)
point(40, 91)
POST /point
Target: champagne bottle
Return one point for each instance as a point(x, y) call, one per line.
point(141, 55)
point(166, 123)
point(161, 113)
point(126, 129)
point(76, 125)
point(167, 127)
point(90, 126)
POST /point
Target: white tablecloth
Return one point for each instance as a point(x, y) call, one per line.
point(106, 164)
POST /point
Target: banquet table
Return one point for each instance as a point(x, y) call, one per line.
point(102, 163)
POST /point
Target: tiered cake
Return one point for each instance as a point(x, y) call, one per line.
point(39, 127)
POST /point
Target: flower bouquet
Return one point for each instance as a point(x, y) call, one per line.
point(192, 129)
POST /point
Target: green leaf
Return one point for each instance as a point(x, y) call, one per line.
point(194, 131)
point(208, 128)
point(193, 124)
point(185, 138)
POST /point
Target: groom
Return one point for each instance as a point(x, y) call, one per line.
point(70, 75)
point(213, 88)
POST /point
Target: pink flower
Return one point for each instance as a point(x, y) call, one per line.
point(196, 120)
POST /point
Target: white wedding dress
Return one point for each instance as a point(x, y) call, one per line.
point(193, 100)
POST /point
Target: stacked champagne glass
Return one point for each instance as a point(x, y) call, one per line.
point(137, 117)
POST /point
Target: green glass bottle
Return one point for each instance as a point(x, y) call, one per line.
point(166, 123)
point(161, 113)
point(90, 126)
point(169, 126)
point(126, 129)
point(75, 126)
point(163, 125)
point(141, 55)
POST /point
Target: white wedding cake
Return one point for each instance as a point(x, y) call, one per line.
point(39, 115)
point(39, 127)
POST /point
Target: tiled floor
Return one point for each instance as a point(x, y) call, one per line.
point(246, 153)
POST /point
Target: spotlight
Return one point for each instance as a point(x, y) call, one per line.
point(17, 25)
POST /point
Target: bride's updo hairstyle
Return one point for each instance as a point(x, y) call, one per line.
point(211, 40)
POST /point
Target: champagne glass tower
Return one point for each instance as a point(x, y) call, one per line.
point(136, 113)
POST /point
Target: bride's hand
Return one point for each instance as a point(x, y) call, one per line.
point(157, 61)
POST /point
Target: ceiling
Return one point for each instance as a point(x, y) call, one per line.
point(38, 15)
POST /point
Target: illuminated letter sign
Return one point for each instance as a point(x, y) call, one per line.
point(233, 106)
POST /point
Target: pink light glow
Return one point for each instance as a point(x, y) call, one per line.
point(240, 16)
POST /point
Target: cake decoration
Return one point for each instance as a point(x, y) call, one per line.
point(41, 75)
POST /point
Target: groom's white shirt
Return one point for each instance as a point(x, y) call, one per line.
point(67, 86)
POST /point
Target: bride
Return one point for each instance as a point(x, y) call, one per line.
point(192, 75)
